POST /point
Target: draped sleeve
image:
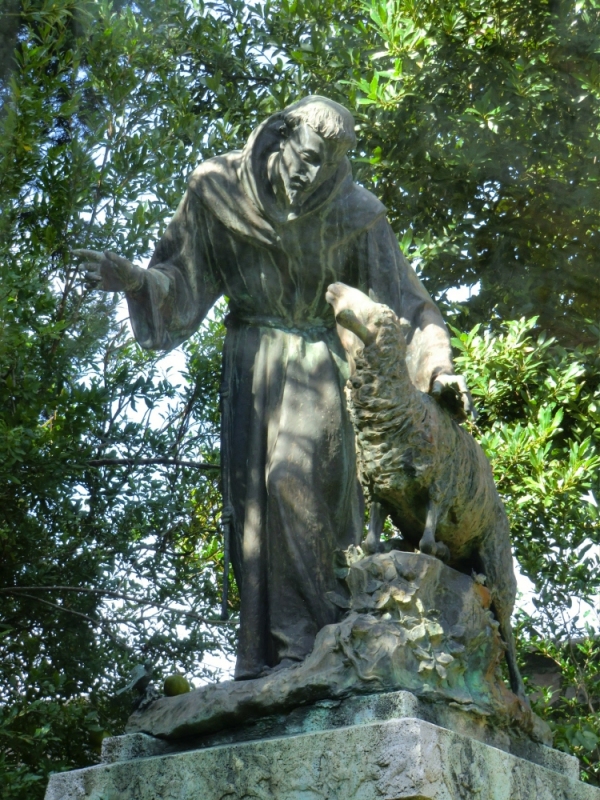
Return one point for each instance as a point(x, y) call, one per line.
point(180, 284)
point(396, 284)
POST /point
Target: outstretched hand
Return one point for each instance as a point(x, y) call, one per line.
point(451, 391)
point(109, 272)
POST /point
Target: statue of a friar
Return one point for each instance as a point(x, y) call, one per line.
point(271, 227)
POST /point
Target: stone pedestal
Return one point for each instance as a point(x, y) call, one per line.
point(379, 747)
point(412, 624)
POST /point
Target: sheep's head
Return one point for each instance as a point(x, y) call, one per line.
point(359, 319)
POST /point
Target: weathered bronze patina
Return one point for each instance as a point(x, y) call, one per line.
point(424, 470)
point(271, 227)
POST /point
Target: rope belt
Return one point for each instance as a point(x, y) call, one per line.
point(298, 327)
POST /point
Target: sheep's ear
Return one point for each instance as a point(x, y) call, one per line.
point(348, 319)
point(373, 296)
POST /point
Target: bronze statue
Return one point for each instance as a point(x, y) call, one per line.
point(271, 227)
point(426, 471)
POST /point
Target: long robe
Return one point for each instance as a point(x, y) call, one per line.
point(287, 445)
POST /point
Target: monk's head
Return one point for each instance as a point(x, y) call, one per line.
point(316, 135)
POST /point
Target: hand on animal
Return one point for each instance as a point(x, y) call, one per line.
point(109, 272)
point(451, 391)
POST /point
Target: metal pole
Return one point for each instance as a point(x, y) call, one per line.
point(227, 512)
point(226, 517)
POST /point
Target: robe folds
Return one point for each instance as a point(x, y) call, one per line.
point(287, 445)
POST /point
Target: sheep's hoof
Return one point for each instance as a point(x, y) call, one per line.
point(441, 551)
point(436, 549)
point(426, 547)
point(371, 544)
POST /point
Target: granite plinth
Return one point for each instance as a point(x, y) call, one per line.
point(397, 759)
point(351, 712)
point(388, 745)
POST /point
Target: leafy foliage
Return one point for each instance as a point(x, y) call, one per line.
point(491, 115)
point(478, 127)
point(573, 713)
point(539, 424)
point(109, 534)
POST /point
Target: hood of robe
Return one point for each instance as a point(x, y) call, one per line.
point(234, 187)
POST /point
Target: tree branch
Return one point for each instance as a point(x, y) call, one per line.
point(20, 590)
point(97, 623)
point(134, 462)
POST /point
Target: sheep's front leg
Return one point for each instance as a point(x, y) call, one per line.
point(376, 520)
point(428, 543)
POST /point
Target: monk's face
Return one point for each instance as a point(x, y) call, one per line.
point(306, 162)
